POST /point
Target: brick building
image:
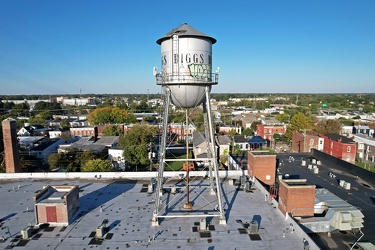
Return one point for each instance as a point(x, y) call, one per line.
point(84, 132)
point(304, 142)
point(262, 165)
point(339, 146)
point(56, 205)
point(179, 130)
point(296, 197)
point(267, 131)
point(12, 160)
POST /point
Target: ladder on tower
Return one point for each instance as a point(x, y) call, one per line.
point(175, 54)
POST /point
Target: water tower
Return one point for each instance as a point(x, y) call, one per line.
point(186, 78)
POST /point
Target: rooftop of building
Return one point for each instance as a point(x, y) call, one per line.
point(360, 195)
point(126, 209)
point(337, 137)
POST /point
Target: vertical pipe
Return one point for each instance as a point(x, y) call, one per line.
point(187, 156)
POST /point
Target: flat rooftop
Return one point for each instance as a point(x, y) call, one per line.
point(361, 195)
point(127, 208)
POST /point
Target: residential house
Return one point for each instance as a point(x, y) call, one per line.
point(362, 129)
point(372, 129)
point(223, 142)
point(59, 133)
point(257, 142)
point(339, 146)
point(224, 129)
point(347, 130)
point(45, 148)
point(267, 131)
point(79, 123)
point(242, 142)
point(28, 142)
point(199, 145)
point(96, 145)
point(179, 130)
point(365, 148)
point(32, 130)
point(248, 119)
point(304, 142)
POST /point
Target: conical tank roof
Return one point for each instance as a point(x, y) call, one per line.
point(184, 30)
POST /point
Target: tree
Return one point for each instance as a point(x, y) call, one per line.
point(254, 125)
point(112, 130)
point(328, 126)
point(37, 120)
point(97, 165)
point(55, 160)
point(72, 160)
point(298, 122)
point(232, 132)
point(284, 118)
point(111, 115)
point(247, 132)
point(346, 122)
point(276, 136)
point(20, 109)
point(64, 124)
point(136, 144)
point(49, 107)
point(143, 107)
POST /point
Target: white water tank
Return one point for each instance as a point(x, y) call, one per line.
point(186, 65)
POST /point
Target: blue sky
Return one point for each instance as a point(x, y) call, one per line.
point(263, 46)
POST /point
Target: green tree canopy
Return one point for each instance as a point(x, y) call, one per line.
point(64, 124)
point(247, 132)
point(112, 130)
point(136, 144)
point(298, 122)
point(72, 160)
point(328, 126)
point(50, 107)
point(37, 120)
point(111, 115)
point(97, 165)
point(283, 118)
point(20, 109)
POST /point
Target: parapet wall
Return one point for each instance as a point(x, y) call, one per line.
point(115, 175)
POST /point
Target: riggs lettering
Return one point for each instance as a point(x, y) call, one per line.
point(187, 58)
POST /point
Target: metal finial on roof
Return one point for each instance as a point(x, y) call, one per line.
point(185, 30)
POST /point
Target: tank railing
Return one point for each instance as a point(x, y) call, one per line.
point(175, 79)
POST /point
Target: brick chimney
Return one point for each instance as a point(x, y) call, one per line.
point(296, 197)
point(12, 160)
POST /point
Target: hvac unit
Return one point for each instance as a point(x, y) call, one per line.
point(100, 232)
point(26, 233)
point(254, 227)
